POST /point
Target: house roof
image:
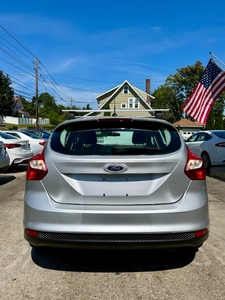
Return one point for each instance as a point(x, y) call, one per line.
point(119, 87)
point(116, 88)
point(112, 92)
point(188, 123)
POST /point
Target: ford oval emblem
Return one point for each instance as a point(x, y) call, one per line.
point(115, 168)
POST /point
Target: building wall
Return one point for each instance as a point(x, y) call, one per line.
point(188, 131)
point(122, 98)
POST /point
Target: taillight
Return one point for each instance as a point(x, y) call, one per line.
point(195, 167)
point(42, 143)
point(11, 146)
point(37, 168)
point(222, 144)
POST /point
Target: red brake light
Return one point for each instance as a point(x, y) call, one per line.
point(11, 146)
point(195, 167)
point(42, 143)
point(120, 120)
point(37, 168)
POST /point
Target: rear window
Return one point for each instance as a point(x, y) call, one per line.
point(220, 134)
point(7, 136)
point(125, 137)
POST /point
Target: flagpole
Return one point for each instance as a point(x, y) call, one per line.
point(217, 58)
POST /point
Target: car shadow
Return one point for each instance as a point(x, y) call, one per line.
point(16, 169)
point(12, 172)
point(4, 179)
point(115, 261)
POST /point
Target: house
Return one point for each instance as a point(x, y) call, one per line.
point(127, 100)
point(187, 127)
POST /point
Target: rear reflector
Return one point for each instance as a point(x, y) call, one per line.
point(31, 232)
point(200, 233)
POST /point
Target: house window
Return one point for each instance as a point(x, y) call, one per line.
point(133, 103)
point(123, 105)
point(126, 89)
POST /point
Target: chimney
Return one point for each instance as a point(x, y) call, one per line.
point(148, 91)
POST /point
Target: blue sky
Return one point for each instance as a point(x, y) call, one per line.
point(88, 47)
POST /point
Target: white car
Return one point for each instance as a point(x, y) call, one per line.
point(19, 150)
point(210, 145)
point(37, 144)
point(4, 158)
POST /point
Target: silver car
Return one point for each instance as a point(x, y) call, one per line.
point(116, 182)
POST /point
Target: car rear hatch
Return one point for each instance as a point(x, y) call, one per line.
point(137, 162)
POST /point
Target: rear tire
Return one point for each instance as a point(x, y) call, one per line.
point(206, 160)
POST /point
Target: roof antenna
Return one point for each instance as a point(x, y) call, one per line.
point(114, 113)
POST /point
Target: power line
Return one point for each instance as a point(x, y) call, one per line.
point(17, 61)
point(18, 42)
point(14, 48)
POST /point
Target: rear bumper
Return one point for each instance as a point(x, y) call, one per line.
point(116, 241)
point(131, 226)
point(134, 229)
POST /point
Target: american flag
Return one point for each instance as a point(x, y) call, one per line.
point(204, 95)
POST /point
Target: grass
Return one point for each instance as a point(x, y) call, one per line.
point(9, 126)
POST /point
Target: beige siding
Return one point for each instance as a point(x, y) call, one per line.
point(121, 98)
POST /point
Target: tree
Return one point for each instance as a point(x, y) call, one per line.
point(176, 90)
point(218, 108)
point(28, 107)
point(210, 121)
point(6, 95)
point(49, 109)
point(164, 98)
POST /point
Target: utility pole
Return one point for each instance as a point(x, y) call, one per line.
point(71, 103)
point(36, 89)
